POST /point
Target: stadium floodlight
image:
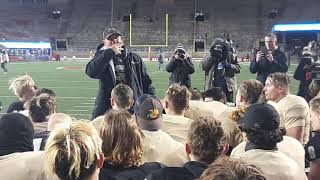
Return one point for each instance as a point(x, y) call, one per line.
point(149, 45)
point(25, 45)
point(296, 27)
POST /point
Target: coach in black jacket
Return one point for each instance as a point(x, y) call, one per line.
point(268, 60)
point(181, 67)
point(113, 65)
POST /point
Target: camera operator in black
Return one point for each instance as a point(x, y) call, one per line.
point(268, 60)
point(181, 67)
point(303, 73)
point(220, 67)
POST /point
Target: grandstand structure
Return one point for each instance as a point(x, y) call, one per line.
point(83, 21)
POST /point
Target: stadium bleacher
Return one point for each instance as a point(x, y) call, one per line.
point(83, 21)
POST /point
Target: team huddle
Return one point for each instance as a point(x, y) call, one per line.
point(266, 133)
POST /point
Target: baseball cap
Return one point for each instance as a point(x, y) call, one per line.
point(148, 110)
point(312, 149)
point(110, 31)
point(260, 117)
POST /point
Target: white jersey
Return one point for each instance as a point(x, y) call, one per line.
point(4, 58)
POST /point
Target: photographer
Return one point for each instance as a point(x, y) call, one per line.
point(181, 67)
point(303, 73)
point(220, 67)
point(113, 65)
point(268, 60)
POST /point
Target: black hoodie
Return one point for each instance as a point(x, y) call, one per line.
point(16, 134)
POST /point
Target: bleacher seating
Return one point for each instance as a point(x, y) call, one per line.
point(84, 21)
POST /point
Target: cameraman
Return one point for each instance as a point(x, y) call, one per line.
point(268, 60)
point(181, 67)
point(220, 67)
point(303, 73)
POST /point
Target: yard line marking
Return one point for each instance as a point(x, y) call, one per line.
point(88, 103)
point(69, 87)
point(56, 97)
point(58, 81)
point(80, 110)
point(64, 81)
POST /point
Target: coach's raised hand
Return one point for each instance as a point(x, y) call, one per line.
point(117, 48)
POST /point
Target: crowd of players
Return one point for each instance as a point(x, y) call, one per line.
point(268, 133)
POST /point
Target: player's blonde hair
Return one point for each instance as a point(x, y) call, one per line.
point(179, 96)
point(73, 152)
point(315, 105)
point(122, 139)
point(19, 83)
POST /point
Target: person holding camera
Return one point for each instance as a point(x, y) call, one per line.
point(269, 59)
point(112, 65)
point(181, 67)
point(220, 67)
point(303, 73)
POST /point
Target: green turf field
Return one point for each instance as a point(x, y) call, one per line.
point(75, 90)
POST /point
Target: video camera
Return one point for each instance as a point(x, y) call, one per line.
point(218, 52)
point(181, 54)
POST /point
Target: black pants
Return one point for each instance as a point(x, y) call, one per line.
point(161, 65)
point(229, 96)
point(223, 85)
point(4, 66)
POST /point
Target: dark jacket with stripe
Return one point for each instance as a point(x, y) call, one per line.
point(136, 72)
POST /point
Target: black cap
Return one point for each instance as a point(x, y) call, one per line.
point(260, 117)
point(180, 49)
point(16, 134)
point(312, 149)
point(148, 110)
point(110, 31)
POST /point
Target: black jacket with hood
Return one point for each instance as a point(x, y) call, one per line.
point(100, 68)
point(210, 66)
point(181, 70)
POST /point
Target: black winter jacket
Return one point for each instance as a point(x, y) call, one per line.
point(210, 66)
point(303, 74)
point(181, 70)
point(137, 75)
point(110, 172)
point(190, 170)
point(264, 67)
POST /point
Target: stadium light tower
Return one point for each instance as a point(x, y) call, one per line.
point(194, 25)
point(111, 17)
